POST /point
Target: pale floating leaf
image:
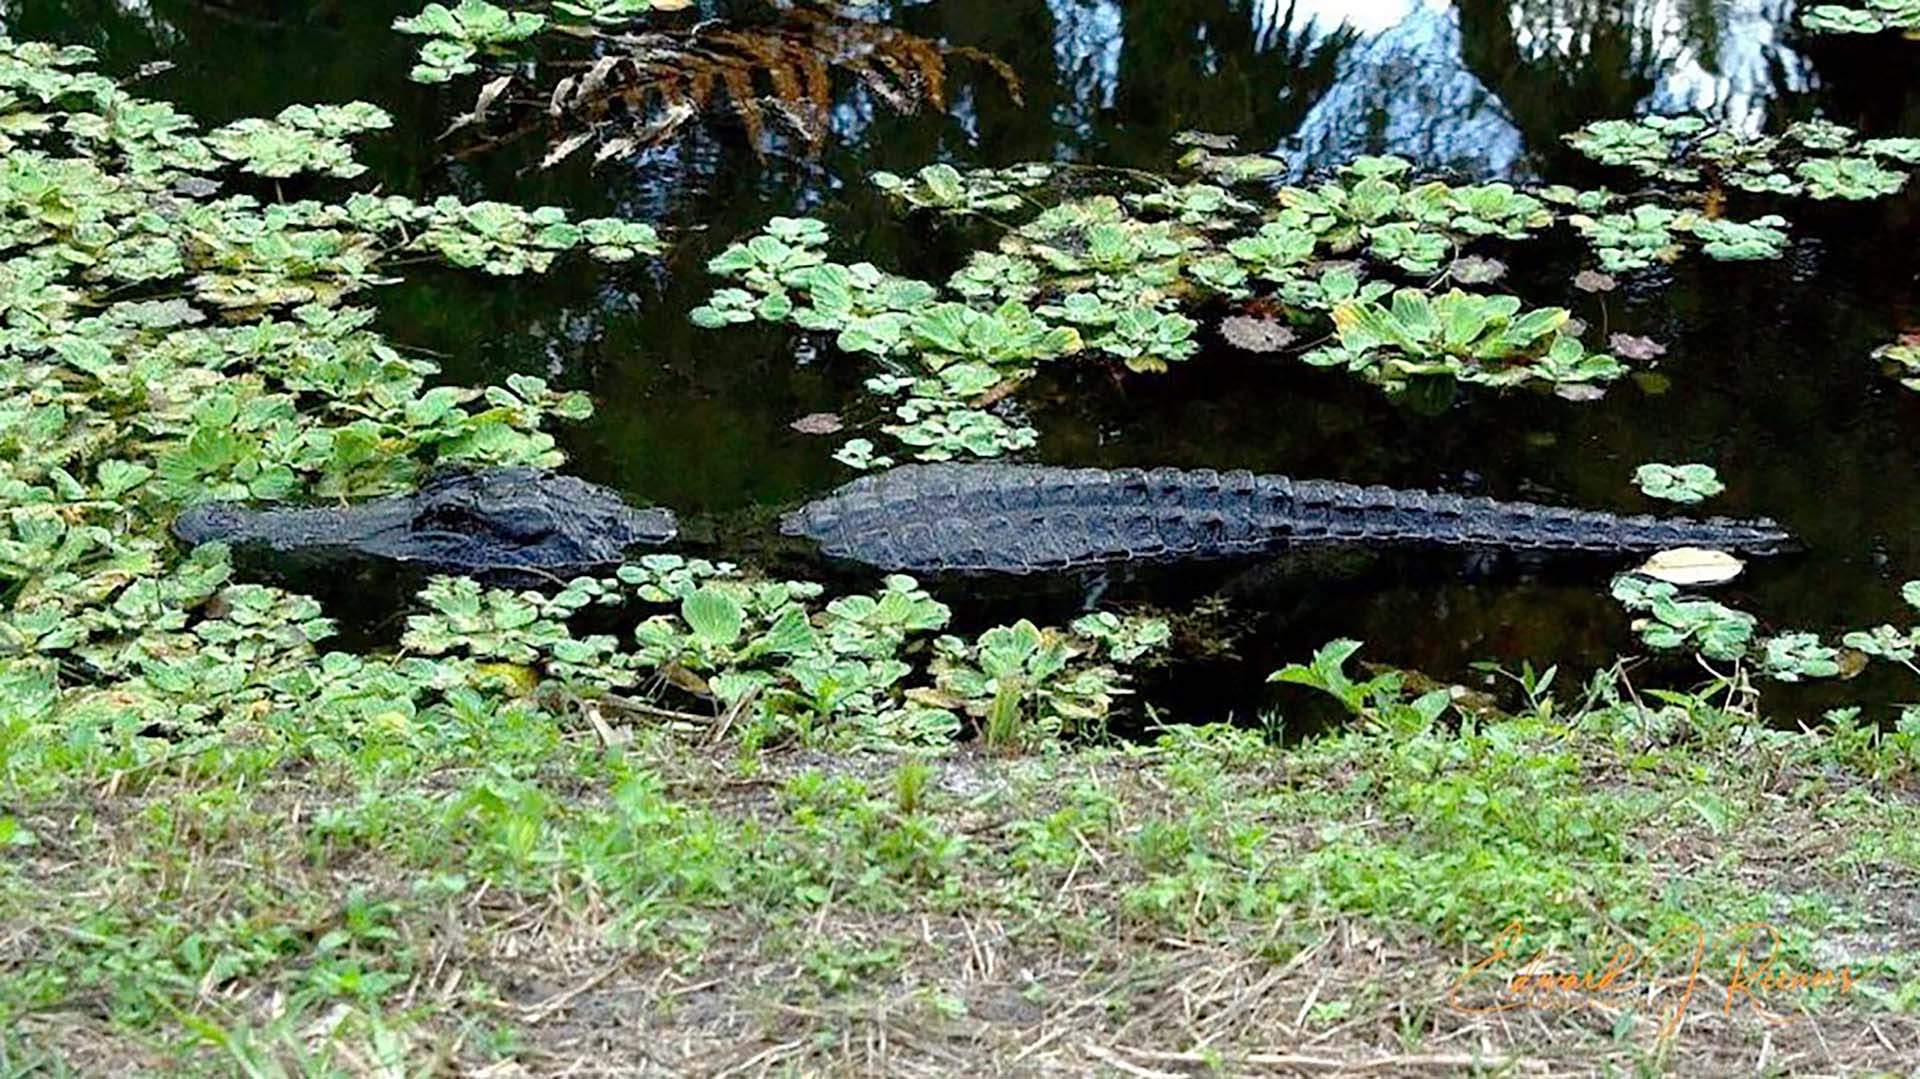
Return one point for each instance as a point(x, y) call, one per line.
point(1579, 391)
point(1594, 281)
point(1256, 334)
point(1692, 566)
point(1477, 270)
point(1632, 347)
point(817, 423)
point(1206, 140)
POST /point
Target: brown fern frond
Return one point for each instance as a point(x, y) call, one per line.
point(699, 89)
point(819, 83)
point(643, 89)
point(931, 64)
point(878, 81)
point(998, 66)
point(746, 103)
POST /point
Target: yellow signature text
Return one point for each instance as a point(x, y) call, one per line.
point(1749, 976)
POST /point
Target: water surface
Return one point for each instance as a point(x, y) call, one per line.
point(1766, 375)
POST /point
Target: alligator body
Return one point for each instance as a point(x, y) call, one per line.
point(983, 518)
point(502, 522)
point(1026, 519)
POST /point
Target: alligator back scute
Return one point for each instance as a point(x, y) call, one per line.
point(1027, 518)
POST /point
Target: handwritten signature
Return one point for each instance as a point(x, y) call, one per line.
point(1752, 975)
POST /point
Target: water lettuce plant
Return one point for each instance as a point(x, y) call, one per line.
point(943, 187)
point(1815, 158)
point(1372, 256)
point(1647, 234)
point(167, 343)
point(1687, 483)
point(836, 670)
point(1673, 621)
point(1669, 620)
point(302, 138)
point(1872, 17)
point(1903, 357)
point(457, 35)
point(1488, 340)
point(1024, 685)
point(942, 360)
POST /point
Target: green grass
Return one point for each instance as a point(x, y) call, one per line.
point(338, 897)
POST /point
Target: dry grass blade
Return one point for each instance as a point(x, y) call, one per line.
point(563, 149)
point(488, 95)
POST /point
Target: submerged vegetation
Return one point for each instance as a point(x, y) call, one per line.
point(629, 85)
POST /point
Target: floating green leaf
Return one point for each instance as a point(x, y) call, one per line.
point(458, 33)
point(1877, 16)
point(1678, 483)
point(715, 617)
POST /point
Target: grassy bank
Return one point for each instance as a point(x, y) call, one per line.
point(519, 890)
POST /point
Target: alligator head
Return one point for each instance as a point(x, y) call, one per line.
point(500, 520)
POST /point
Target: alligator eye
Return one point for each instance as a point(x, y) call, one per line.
point(510, 523)
point(522, 524)
point(447, 517)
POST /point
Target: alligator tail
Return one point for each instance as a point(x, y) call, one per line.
point(1025, 518)
point(1310, 510)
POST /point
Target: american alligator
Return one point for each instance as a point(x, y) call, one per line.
point(982, 518)
point(496, 522)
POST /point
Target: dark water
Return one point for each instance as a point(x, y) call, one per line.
point(1766, 375)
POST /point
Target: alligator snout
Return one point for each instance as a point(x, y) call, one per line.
point(651, 526)
point(208, 522)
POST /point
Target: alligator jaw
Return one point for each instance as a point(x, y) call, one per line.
point(368, 526)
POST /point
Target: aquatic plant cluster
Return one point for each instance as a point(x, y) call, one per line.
point(172, 334)
point(1374, 270)
point(1870, 17)
point(1815, 158)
